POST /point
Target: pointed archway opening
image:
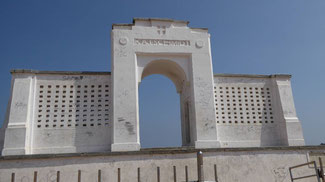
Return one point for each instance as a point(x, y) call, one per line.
point(159, 109)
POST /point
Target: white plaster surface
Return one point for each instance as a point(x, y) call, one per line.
point(64, 114)
point(250, 111)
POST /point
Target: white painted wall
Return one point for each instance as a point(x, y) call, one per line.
point(64, 113)
point(249, 111)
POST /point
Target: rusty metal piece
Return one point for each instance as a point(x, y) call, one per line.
point(175, 177)
point(58, 176)
point(158, 174)
point(35, 176)
point(186, 174)
point(79, 175)
point(200, 172)
point(12, 177)
point(119, 175)
point(303, 177)
point(99, 175)
point(215, 173)
point(321, 170)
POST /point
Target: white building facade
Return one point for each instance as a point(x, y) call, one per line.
point(74, 112)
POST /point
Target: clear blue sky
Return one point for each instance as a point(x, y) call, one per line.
point(251, 36)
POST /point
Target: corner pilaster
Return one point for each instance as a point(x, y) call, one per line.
point(18, 139)
point(289, 123)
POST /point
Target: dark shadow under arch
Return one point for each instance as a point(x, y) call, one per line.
point(167, 68)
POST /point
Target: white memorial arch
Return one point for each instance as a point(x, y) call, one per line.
point(172, 49)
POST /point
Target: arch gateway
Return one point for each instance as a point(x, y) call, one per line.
point(71, 112)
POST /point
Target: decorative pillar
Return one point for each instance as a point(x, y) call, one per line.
point(203, 99)
point(125, 129)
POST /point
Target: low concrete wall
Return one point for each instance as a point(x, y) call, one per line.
point(232, 165)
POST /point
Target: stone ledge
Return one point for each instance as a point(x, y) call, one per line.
point(251, 75)
point(59, 72)
point(159, 19)
point(171, 150)
point(148, 19)
point(13, 71)
point(129, 25)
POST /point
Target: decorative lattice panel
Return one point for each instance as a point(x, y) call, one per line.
point(64, 105)
point(243, 104)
